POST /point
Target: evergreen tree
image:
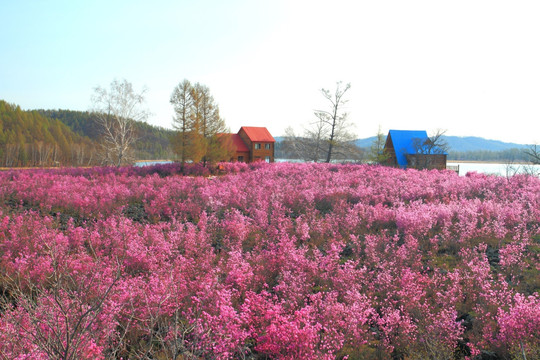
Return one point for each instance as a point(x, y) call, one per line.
point(377, 153)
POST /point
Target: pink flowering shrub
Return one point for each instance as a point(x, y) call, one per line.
point(268, 261)
point(520, 323)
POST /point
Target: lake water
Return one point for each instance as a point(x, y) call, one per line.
point(152, 162)
point(494, 168)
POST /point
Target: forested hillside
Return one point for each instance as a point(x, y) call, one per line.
point(153, 142)
point(65, 138)
point(27, 138)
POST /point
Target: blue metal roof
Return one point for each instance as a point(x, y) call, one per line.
point(406, 142)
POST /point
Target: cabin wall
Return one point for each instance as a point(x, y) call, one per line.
point(242, 156)
point(427, 161)
point(389, 149)
point(248, 143)
point(257, 154)
point(263, 152)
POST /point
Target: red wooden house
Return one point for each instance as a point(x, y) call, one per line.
point(253, 144)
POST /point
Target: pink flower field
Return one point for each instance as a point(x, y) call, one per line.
point(268, 261)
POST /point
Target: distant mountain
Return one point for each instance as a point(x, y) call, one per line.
point(456, 143)
point(474, 143)
point(366, 143)
point(462, 144)
point(460, 148)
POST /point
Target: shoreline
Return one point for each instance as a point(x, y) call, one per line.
point(488, 162)
point(284, 160)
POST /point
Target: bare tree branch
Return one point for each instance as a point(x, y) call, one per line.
point(533, 152)
point(425, 148)
point(329, 136)
point(117, 110)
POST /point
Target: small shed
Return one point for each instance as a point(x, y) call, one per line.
point(413, 149)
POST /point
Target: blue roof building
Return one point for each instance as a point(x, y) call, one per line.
point(413, 149)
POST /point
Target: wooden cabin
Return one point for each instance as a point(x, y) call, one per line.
point(413, 149)
point(253, 144)
point(242, 151)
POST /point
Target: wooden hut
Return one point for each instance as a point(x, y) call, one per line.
point(413, 149)
point(253, 144)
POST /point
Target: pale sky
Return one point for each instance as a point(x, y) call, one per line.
point(470, 67)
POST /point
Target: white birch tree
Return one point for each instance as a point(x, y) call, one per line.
point(117, 110)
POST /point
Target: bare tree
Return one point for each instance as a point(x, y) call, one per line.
point(117, 110)
point(426, 148)
point(329, 137)
point(511, 168)
point(335, 120)
point(437, 144)
point(533, 152)
point(309, 147)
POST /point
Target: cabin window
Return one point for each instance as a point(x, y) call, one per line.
point(241, 159)
point(267, 146)
point(267, 159)
point(257, 146)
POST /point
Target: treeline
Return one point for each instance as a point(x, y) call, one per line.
point(305, 149)
point(510, 155)
point(44, 138)
point(27, 138)
point(152, 142)
point(284, 151)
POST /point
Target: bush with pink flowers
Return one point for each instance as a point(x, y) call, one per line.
point(268, 261)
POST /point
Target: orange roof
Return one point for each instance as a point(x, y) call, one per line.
point(258, 134)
